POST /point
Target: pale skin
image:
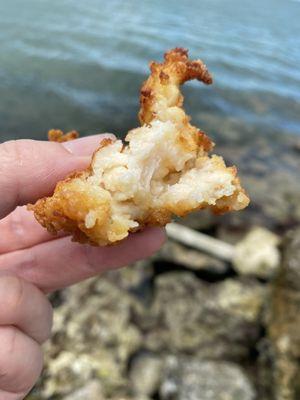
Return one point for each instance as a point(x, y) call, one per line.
point(34, 263)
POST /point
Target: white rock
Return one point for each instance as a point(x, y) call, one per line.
point(145, 374)
point(91, 391)
point(257, 254)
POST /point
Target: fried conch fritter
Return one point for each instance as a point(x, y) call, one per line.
point(163, 170)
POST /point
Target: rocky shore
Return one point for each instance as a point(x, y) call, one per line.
point(185, 325)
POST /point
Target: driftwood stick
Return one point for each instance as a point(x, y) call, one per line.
point(200, 241)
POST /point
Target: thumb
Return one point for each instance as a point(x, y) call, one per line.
point(30, 169)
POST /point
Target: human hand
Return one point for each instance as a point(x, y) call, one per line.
point(25, 323)
point(29, 170)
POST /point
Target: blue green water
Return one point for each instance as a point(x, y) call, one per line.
point(79, 64)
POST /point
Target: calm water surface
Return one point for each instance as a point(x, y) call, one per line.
point(79, 64)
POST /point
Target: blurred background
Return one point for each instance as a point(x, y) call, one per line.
point(189, 326)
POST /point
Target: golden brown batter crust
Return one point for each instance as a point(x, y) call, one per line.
point(163, 170)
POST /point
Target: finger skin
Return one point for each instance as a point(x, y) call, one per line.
point(20, 230)
point(30, 169)
point(21, 362)
point(60, 263)
point(86, 146)
point(26, 307)
point(11, 396)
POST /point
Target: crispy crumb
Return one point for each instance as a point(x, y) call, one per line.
point(56, 135)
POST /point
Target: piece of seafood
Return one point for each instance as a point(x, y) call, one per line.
point(163, 170)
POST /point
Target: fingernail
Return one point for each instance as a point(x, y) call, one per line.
point(86, 145)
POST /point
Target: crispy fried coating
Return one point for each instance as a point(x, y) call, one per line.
point(163, 170)
point(56, 135)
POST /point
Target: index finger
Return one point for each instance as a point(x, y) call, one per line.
point(30, 169)
point(60, 263)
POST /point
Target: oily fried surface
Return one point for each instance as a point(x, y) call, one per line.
point(163, 170)
point(162, 100)
point(160, 92)
point(56, 135)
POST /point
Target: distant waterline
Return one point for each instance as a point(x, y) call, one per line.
point(80, 65)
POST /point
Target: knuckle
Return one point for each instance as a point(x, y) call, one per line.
point(12, 151)
point(16, 227)
point(11, 155)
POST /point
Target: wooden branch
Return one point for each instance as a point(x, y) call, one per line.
point(200, 241)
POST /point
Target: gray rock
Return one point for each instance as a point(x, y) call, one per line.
point(269, 170)
point(284, 322)
point(191, 379)
point(214, 320)
point(145, 374)
point(93, 336)
point(257, 254)
point(291, 265)
point(131, 278)
point(198, 220)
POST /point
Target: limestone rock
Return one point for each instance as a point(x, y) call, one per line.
point(214, 320)
point(284, 323)
point(291, 265)
point(91, 391)
point(132, 278)
point(257, 254)
point(93, 336)
point(192, 379)
point(145, 374)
